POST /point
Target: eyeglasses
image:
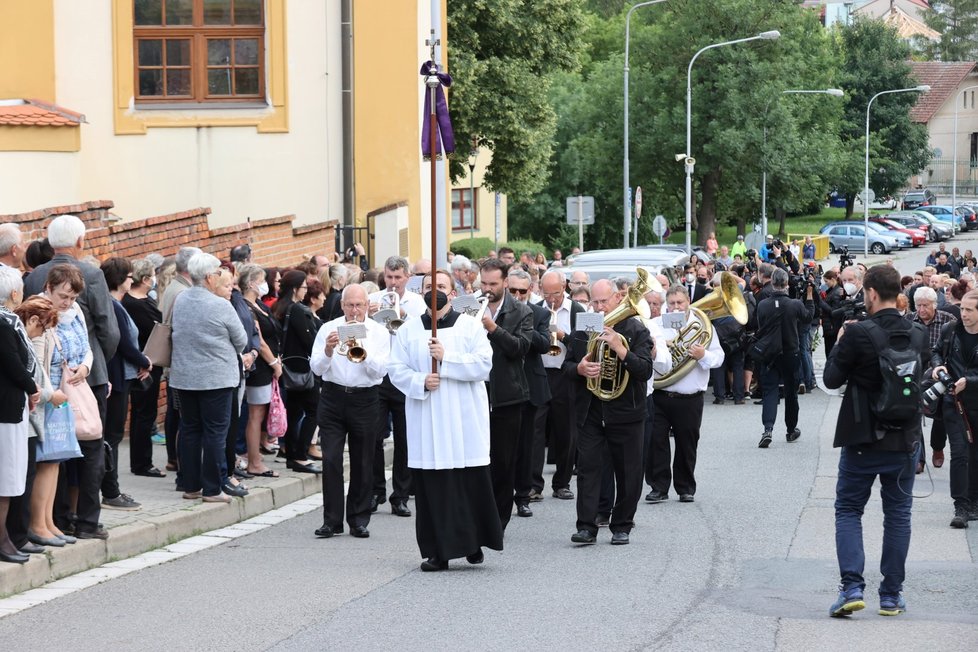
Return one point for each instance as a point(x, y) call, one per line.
point(515, 291)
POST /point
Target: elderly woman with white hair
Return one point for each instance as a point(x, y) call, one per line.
point(205, 369)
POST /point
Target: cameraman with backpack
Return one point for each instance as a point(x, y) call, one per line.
point(775, 351)
point(881, 359)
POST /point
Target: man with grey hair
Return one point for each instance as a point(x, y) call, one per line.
point(12, 246)
point(578, 279)
point(460, 270)
point(927, 314)
point(778, 320)
point(66, 234)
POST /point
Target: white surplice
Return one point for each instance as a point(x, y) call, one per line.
point(449, 427)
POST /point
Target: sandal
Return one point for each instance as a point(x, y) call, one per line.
point(268, 473)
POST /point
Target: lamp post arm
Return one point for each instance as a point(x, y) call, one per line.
point(954, 153)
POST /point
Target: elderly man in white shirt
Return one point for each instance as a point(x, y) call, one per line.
point(348, 406)
point(679, 408)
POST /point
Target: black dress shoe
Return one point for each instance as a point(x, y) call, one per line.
point(299, 467)
point(602, 520)
point(583, 536)
point(793, 435)
point(14, 558)
point(656, 497)
point(326, 531)
point(433, 564)
point(31, 549)
point(476, 557)
point(686, 498)
point(373, 504)
point(399, 509)
point(523, 510)
point(360, 532)
point(151, 472)
point(619, 538)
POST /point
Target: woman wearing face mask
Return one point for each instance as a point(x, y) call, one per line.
point(834, 296)
point(144, 400)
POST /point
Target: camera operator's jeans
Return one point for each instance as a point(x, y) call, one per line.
point(857, 472)
point(964, 456)
point(806, 368)
point(782, 370)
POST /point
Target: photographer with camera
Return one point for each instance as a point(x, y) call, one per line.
point(829, 303)
point(781, 257)
point(955, 363)
point(880, 359)
point(776, 352)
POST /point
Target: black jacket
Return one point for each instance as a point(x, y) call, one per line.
point(794, 314)
point(510, 343)
point(854, 360)
point(834, 297)
point(536, 375)
point(959, 363)
point(630, 406)
point(297, 342)
point(127, 351)
point(15, 381)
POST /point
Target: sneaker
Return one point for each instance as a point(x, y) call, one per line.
point(892, 605)
point(718, 401)
point(158, 439)
point(765, 439)
point(960, 520)
point(793, 435)
point(849, 601)
point(122, 501)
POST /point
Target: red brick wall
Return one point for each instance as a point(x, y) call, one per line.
point(274, 241)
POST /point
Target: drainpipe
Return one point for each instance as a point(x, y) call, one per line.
point(346, 36)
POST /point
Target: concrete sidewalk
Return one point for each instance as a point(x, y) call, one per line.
point(163, 518)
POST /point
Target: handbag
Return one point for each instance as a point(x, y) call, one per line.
point(59, 443)
point(88, 423)
point(294, 381)
point(277, 422)
point(159, 345)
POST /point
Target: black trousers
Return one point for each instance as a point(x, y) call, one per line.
point(171, 428)
point(556, 419)
point(622, 443)
point(115, 429)
point(300, 408)
point(87, 471)
point(340, 415)
point(231, 438)
point(524, 455)
point(143, 412)
point(390, 412)
point(682, 414)
point(647, 450)
point(19, 514)
point(938, 433)
point(504, 437)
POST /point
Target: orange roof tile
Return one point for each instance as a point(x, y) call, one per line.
point(943, 79)
point(35, 113)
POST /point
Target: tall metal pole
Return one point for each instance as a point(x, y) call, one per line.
point(690, 162)
point(628, 205)
point(472, 196)
point(954, 155)
point(835, 92)
point(432, 83)
point(923, 88)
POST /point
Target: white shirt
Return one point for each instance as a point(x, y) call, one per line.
point(338, 369)
point(699, 377)
point(662, 362)
point(563, 323)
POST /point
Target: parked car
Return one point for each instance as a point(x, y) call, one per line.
point(628, 258)
point(880, 203)
point(917, 237)
point(945, 214)
point(969, 215)
point(936, 230)
point(853, 236)
point(919, 197)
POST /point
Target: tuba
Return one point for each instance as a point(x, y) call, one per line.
point(611, 382)
point(352, 348)
point(725, 301)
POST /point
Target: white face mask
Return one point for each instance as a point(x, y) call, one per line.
point(691, 278)
point(263, 289)
point(850, 289)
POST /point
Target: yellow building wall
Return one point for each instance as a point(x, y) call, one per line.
point(485, 215)
point(27, 49)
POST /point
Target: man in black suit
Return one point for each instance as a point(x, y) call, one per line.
point(554, 418)
point(871, 446)
point(695, 283)
point(615, 425)
point(536, 377)
point(509, 325)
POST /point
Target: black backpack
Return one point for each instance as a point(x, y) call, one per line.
point(898, 400)
point(767, 344)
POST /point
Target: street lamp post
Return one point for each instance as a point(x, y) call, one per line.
point(687, 157)
point(835, 92)
point(628, 204)
point(923, 88)
point(473, 154)
point(954, 155)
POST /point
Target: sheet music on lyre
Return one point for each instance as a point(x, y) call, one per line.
point(352, 331)
point(590, 322)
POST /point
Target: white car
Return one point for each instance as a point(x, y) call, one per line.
point(881, 203)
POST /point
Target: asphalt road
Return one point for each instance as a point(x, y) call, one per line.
point(749, 566)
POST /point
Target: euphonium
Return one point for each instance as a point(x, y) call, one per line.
point(725, 301)
point(352, 348)
point(554, 347)
point(611, 382)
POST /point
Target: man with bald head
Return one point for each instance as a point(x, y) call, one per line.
point(615, 425)
point(578, 280)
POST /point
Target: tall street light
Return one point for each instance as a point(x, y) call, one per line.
point(954, 155)
point(923, 88)
point(628, 204)
point(834, 92)
point(687, 156)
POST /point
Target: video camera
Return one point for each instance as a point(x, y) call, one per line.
point(845, 258)
point(810, 277)
point(751, 261)
point(851, 310)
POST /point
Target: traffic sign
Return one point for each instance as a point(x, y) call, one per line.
point(659, 226)
point(580, 210)
point(638, 202)
point(862, 196)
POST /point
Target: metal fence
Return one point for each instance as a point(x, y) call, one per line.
point(939, 173)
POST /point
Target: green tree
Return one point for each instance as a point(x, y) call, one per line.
point(875, 59)
point(502, 54)
point(957, 22)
